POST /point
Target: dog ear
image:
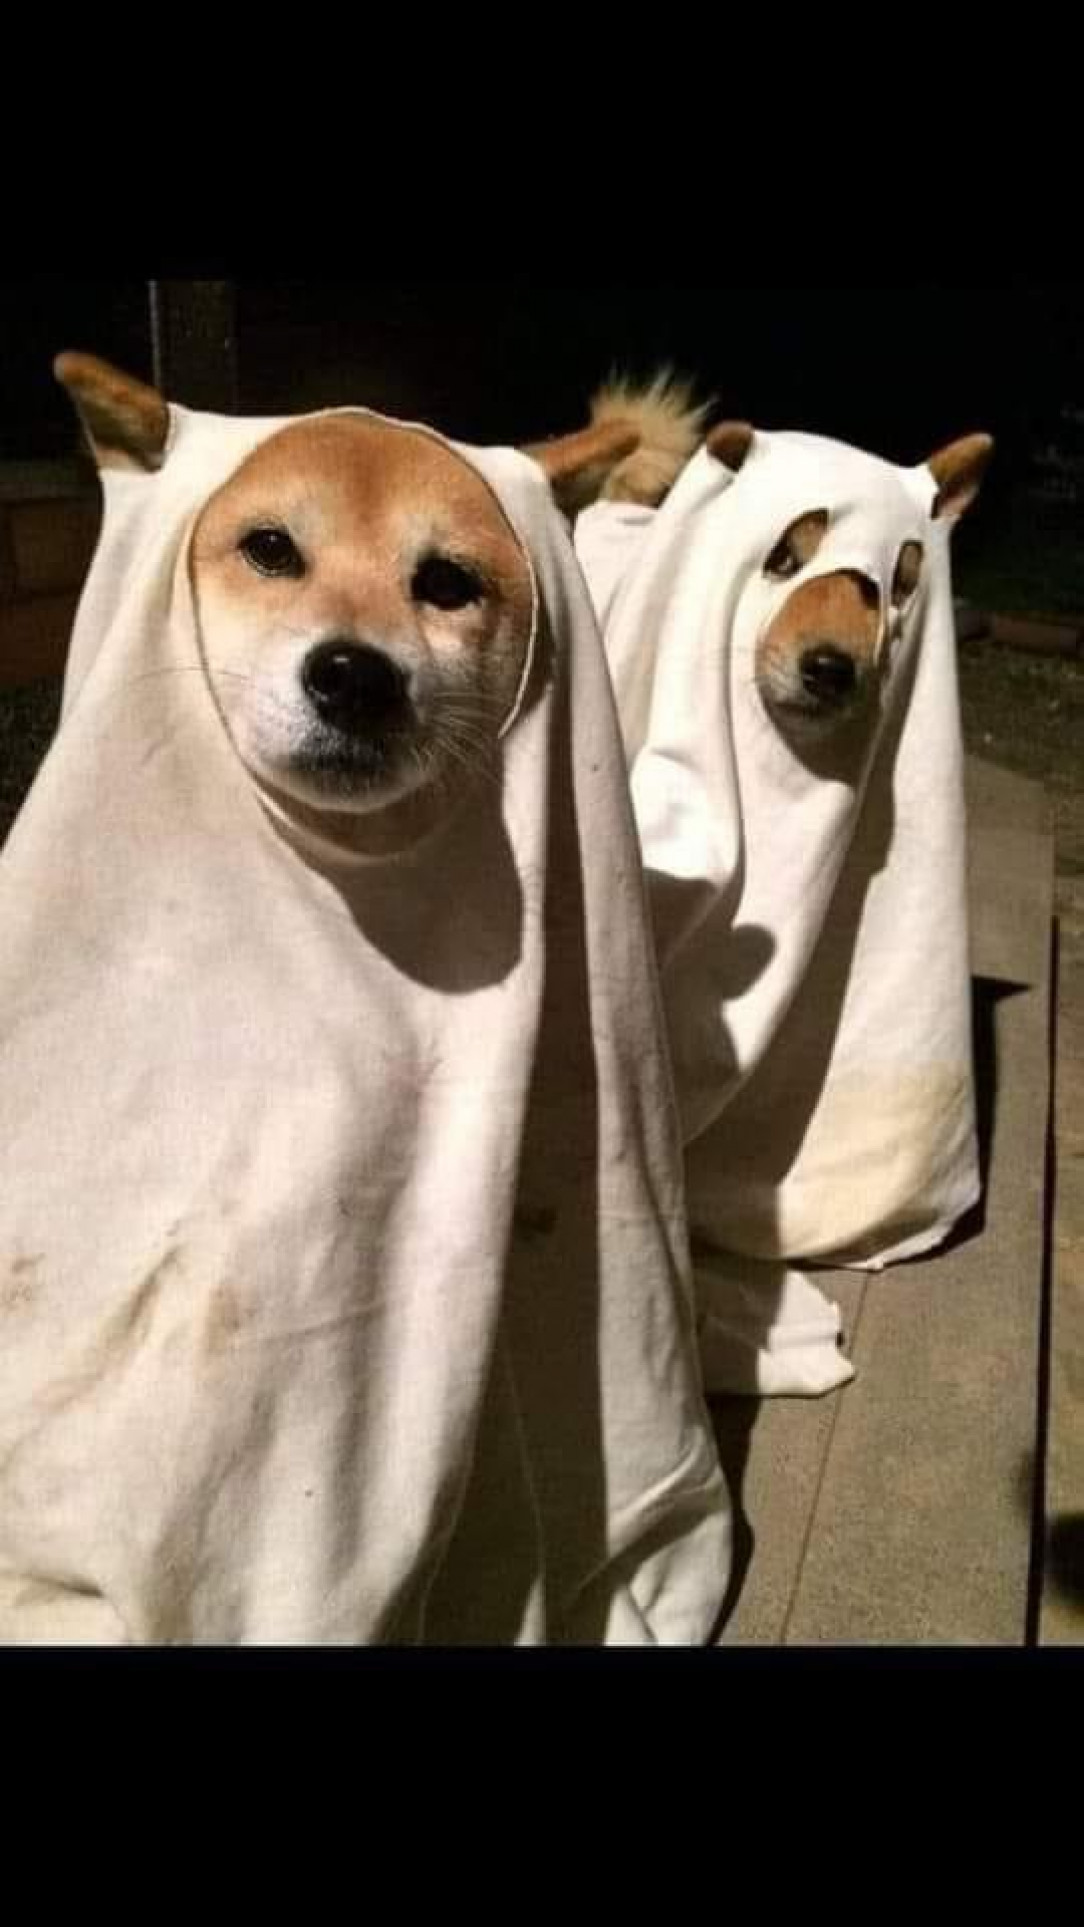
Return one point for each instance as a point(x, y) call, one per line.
point(730, 443)
point(958, 471)
point(125, 421)
point(578, 466)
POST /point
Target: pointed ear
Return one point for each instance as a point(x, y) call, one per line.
point(577, 466)
point(958, 471)
point(730, 443)
point(125, 421)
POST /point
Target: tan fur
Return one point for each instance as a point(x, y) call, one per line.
point(126, 422)
point(842, 612)
point(730, 443)
point(365, 502)
point(908, 571)
point(578, 466)
point(958, 470)
point(839, 609)
point(669, 424)
point(799, 543)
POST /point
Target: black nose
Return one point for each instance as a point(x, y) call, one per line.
point(352, 686)
point(828, 674)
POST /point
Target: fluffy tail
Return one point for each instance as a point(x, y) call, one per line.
point(670, 422)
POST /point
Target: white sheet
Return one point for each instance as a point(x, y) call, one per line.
point(810, 922)
point(343, 1275)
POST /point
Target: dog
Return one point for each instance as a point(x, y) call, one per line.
point(777, 615)
point(669, 424)
point(365, 609)
point(819, 659)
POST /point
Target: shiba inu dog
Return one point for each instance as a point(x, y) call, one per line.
point(364, 606)
point(818, 659)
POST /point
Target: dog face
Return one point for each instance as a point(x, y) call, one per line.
point(365, 613)
point(365, 609)
point(819, 658)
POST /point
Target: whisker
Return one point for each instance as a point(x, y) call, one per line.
point(184, 669)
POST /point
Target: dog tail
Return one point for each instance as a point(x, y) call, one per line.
point(671, 423)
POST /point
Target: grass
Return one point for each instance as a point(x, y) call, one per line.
point(1027, 713)
point(28, 719)
point(1025, 561)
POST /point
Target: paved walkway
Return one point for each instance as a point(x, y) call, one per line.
point(903, 1509)
point(1062, 1621)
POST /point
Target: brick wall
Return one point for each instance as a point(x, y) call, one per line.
point(48, 526)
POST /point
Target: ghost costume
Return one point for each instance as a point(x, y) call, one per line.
point(343, 1271)
point(810, 920)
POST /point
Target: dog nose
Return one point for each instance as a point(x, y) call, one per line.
point(351, 685)
point(828, 674)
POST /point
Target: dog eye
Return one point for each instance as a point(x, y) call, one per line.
point(783, 560)
point(797, 545)
point(445, 584)
point(272, 552)
point(908, 570)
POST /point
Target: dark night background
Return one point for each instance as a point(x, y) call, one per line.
point(895, 370)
